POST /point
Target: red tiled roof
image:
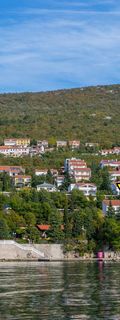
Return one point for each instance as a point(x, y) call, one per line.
point(10, 168)
point(112, 202)
point(46, 227)
point(43, 227)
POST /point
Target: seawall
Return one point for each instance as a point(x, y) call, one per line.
point(13, 251)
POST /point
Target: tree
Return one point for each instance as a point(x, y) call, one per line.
point(49, 177)
point(55, 231)
point(78, 224)
point(4, 230)
point(67, 226)
point(110, 211)
point(105, 185)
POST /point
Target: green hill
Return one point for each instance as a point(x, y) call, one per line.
point(90, 114)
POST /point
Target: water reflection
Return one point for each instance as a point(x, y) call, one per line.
point(60, 291)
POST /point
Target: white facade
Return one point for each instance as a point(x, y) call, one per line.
point(114, 175)
point(61, 144)
point(14, 151)
point(74, 144)
point(59, 181)
point(43, 143)
point(46, 186)
point(41, 172)
point(82, 174)
point(87, 188)
point(110, 163)
point(73, 163)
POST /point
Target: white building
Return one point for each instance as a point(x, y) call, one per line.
point(83, 174)
point(41, 172)
point(114, 175)
point(87, 188)
point(17, 142)
point(43, 143)
point(74, 144)
point(59, 181)
point(14, 151)
point(73, 163)
point(61, 144)
point(109, 163)
point(46, 186)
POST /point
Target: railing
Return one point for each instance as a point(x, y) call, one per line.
point(22, 247)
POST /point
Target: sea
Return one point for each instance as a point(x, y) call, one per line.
point(60, 290)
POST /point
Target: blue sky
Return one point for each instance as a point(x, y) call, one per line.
point(57, 44)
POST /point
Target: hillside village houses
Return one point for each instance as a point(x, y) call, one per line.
point(77, 169)
point(14, 151)
point(105, 152)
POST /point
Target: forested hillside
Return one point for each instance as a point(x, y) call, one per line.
point(88, 114)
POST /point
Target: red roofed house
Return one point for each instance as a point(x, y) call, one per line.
point(12, 170)
point(71, 164)
point(74, 144)
point(43, 228)
point(110, 163)
point(22, 181)
point(114, 203)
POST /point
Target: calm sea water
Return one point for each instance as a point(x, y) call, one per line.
point(60, 291)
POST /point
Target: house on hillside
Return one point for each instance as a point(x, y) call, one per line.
point(43, 143)
point(74, 144)
point(107, 203)
point(71, 164)
point(61, 144)
point(14, 151)
point(41, 172)
point(83, 174)
point(87, 188)
point(109, 163)
point(46, 186)
point(17, 142)
point(114, 175)
point(59, 181)
point(12, 170)
point(21, 181)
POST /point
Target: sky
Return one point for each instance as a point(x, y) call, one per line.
point(58, 44)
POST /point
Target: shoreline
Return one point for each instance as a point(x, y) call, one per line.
point(62, 260)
